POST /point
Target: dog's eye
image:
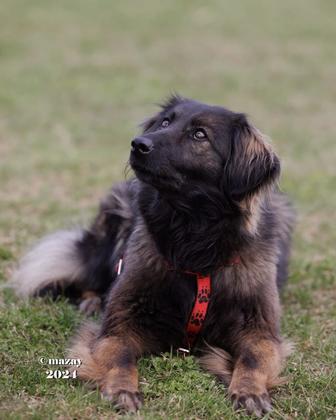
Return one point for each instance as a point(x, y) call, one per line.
point(165, 123)
point(199, 134)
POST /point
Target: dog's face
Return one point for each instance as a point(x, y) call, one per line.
point(190, 146)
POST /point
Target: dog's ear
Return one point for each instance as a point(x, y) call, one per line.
point(252, 164)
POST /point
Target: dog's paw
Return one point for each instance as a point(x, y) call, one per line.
point(124, 400)
point(90, 305)
point(253, 404)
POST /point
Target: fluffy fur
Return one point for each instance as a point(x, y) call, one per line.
point(205, 191)
point(54, 260)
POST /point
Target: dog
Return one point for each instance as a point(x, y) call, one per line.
point(190, 254)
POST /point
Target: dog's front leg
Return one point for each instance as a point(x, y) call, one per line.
point(119, 381)
point(256, 367)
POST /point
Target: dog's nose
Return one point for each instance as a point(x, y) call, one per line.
point(142, 145)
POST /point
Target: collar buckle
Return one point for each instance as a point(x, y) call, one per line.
point(181, 351)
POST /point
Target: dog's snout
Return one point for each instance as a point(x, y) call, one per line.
point(142, 145)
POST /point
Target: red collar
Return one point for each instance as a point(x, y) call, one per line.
point(200, 308)
point(198, 313)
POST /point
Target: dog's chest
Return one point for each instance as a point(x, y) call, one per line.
point(164, 310)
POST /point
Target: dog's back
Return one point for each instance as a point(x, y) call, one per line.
point(80, 263)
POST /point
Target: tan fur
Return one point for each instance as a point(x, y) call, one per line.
point(257, 145)
point(102, 361)
point(120, 378)
point(286, 348)
point(89, 294)
point(220, 363)
point(251, 207)
point(90, 370)
point(270, 358)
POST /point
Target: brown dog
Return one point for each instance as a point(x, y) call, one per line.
point(191, 252)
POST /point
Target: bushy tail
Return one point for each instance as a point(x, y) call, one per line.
point(55, 261)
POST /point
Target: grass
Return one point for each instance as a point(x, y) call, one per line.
point(76, 78)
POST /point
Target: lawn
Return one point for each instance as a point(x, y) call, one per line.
point(76, 77)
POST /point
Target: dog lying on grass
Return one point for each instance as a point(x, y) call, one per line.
point(190, 253)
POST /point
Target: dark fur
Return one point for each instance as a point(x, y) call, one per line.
point(193, 206)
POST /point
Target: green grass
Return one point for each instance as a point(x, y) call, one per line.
point(75, 79)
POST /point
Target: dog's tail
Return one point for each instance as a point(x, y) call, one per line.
point(53, 263)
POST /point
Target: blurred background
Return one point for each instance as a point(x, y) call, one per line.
point(76, 77)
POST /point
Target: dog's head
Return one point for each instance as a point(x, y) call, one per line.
point(191, 146)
